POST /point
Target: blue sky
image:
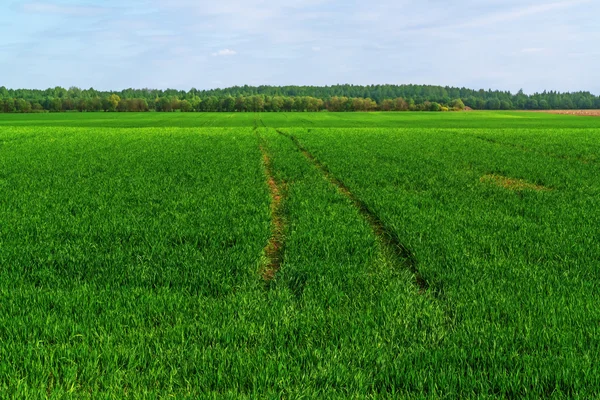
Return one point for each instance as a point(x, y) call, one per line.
point(498, 44)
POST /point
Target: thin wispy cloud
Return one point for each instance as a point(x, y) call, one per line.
point(224, 53)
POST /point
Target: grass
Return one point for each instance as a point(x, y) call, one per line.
point(132, 254)
point(418, 120)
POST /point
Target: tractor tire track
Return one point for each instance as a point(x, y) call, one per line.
point(274, 249)
point(393, 249)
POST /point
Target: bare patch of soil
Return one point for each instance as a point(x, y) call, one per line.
point(584, 113)
point(512, 183)
point(274, 249)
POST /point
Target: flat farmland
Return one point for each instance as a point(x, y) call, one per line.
point(318, 255)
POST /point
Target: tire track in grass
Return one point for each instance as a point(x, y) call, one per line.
point(273, 251)
point(394, 251)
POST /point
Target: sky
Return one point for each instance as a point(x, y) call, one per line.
point(112, 45)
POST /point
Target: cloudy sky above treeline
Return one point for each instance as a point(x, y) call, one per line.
point(108, 44)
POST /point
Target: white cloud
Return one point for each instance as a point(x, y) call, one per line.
point(316, 49)
point(224, 53)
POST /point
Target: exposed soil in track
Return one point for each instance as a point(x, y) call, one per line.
point(274, 249)
point(583, 113)
point(396, 252)
point(512, 183)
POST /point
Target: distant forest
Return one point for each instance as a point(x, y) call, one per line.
point(288, 98)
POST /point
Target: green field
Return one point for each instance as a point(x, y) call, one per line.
point(417, 255)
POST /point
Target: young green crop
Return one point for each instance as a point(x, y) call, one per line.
point(125, 256)
point(517, 267)
point(489, 120)
point(131, 248)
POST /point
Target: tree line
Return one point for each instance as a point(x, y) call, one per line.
point(336, 98)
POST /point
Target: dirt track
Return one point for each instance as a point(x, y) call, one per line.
point(586, 113)
point(274, 249)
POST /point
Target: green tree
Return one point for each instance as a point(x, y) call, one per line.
point(585, 103)
point(256, 103)
point(387, 105)
point(492, 104)
point(22, 106)
point(82, 105)
point(8, 105)
point(240, 104)
point(288, 104)
point(227, 104)
point(164, 104)
point(532, 104)
point(175, 104)
point(185, 106)
point(113, 102)
point(457, 104)
point(400, 104)
point(435, 106)
point(276, 103)
point(56, 105)
point(566, 103)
